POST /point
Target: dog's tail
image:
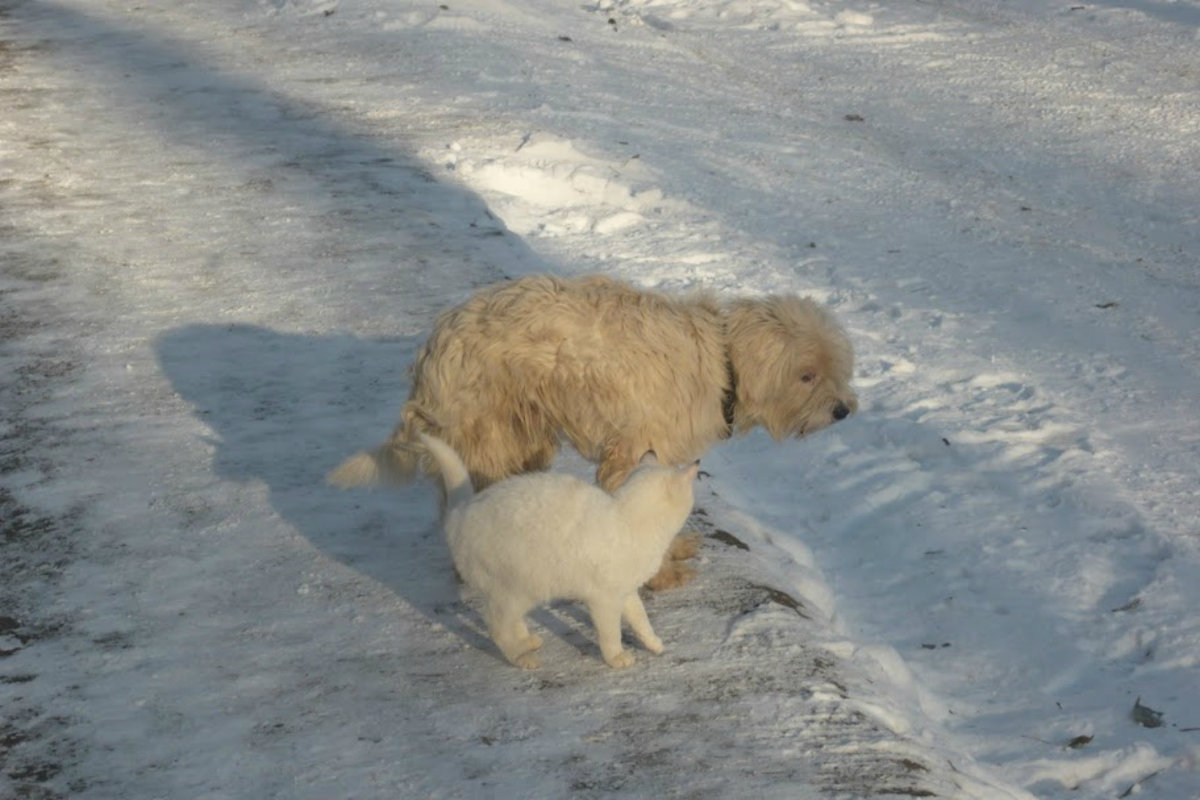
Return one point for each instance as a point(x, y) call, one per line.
point(454, 472)
point(394, 461)
point(398, 460)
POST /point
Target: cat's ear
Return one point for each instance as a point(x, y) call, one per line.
point(650, 459)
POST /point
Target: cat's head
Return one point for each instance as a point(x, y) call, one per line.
point(672, 485)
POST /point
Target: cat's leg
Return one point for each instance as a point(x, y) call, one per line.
point(635, 614)
point(606, 617)
point(529, 641)
point(505, 619)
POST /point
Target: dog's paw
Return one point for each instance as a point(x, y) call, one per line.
point(527, 661)
point(672, 575)
point(620, 660)
point(531, 643)
point(654, 645)
point(684, 546)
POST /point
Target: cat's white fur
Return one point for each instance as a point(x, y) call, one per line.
point(547, 536)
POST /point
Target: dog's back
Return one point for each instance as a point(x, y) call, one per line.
point(592, 360)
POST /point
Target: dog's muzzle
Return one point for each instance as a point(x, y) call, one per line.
point(841, 411)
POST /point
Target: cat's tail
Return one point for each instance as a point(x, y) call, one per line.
point(454, 472)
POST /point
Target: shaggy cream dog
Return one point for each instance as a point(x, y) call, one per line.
point(616, 371)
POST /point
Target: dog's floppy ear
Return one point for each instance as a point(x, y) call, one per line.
point(764, 350)
point(649, 459)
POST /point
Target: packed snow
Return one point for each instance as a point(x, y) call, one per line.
point(228, 225)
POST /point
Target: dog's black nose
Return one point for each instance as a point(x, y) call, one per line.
point(840, 411)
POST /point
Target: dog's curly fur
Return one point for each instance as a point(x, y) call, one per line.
point(616, 371)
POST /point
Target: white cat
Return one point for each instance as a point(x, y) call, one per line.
point(546, 536)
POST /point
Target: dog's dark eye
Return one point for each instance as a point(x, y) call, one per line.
point(807, 377)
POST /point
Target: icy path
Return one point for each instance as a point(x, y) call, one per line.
point(226, 225)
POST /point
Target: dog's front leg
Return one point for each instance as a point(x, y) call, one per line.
point(617, 461)
point(673, 573)
point(612, 473)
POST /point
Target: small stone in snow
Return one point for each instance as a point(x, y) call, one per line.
point(1145, 716)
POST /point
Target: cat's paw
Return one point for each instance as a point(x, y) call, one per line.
point(528, 661)
point(619, 660)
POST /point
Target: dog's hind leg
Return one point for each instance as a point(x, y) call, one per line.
point(493, 452)
point(539, 460)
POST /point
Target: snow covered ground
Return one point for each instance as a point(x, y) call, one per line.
point(225, 225)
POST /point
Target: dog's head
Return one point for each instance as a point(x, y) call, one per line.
point(792, 363)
